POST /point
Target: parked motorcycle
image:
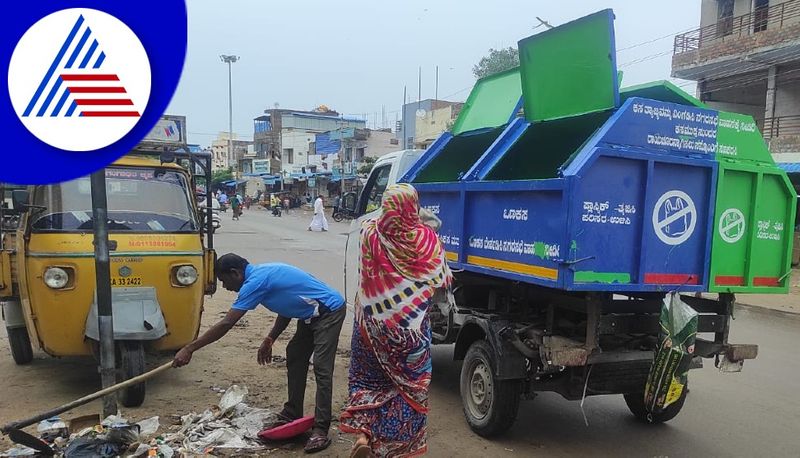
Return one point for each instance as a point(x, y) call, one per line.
point(340, 214)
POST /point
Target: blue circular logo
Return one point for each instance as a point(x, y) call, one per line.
point(86, 82)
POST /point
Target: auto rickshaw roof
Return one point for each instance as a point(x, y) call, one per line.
point(135, 160)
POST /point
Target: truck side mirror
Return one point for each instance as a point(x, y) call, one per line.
point(19, 199)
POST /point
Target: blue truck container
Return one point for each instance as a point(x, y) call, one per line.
point(624, 211)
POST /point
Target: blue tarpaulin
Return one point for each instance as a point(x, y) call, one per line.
point(337, 177)
point(327, 145)
point(790, 167)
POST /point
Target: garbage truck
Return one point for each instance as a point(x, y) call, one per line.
point(574, 213)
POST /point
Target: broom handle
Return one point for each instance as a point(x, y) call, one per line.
point(86, 399)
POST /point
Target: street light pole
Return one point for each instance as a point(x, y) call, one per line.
point(230, 59)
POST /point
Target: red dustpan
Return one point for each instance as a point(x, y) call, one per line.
point(289, 430)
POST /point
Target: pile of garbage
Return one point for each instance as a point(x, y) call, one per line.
point(229, 427)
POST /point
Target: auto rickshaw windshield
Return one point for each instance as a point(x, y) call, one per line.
point(139, 200)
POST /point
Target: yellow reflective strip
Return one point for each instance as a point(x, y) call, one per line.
point(450, 256)
point(516, 267)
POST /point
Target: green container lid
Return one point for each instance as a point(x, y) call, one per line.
point(570, 70)
point(494, 100)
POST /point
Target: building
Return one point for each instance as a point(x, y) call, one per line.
point(745, 57)
point(246, 161)
point(219, 149)
point(411, 114)
point(431, 124)
point(343, 150)
point(283, 136)
point(380, 142)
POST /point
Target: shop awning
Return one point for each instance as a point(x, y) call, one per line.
point(789, 167)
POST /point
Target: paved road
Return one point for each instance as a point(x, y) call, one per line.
point(753, 413)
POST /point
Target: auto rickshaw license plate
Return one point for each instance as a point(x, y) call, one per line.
point(126, 281)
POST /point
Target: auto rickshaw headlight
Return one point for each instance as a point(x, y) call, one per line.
point(185, 275)
point(56, 277)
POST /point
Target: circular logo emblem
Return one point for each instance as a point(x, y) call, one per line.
point(125, 271)
point(731, 225)
point(79, 79)
point(674, 217)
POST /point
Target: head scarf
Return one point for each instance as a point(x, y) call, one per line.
point(402, 261)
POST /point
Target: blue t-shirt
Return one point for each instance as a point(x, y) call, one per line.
point(286, 290)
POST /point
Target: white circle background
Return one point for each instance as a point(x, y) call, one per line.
point(33, 55)
point(738, 236)
point(690, 208)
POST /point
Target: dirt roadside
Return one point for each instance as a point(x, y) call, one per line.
point(789, 303)
point(232, 360)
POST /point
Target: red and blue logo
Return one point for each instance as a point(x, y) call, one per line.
point(77, 79)
point(86, 84)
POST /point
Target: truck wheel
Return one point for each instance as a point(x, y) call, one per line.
point(20, 344)
point(131, 364)
point(490, 405)
point(635, 402)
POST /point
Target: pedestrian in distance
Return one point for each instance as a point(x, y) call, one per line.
point(402, 268)
point(223, 201)
point(319, 222)
point(292, 294)
point(236, 206)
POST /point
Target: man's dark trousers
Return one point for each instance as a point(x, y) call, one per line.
point(320, 337)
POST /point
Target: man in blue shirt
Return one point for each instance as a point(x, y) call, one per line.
point(291, 293)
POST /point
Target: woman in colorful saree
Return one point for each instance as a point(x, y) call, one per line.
point(402, 267)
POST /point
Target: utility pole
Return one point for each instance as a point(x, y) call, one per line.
point(404, 127)
point(229, 59)
point(342, 158)
point(436, 91)
point(105, 318)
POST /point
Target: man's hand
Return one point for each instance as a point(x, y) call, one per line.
point(265, 351)
point(182, 358)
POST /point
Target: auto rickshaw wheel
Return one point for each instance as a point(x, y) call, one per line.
point(131, 362)
point(20, 343)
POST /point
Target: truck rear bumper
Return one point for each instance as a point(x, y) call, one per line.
point(732, 352)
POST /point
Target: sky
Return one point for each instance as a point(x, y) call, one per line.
point(356, 56)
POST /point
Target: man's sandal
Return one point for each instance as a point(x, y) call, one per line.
point(317, 443)
point(281, 419)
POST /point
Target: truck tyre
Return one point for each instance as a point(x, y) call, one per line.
point(20, 345)
point(635, 402)
point(131, 363)
point(490, 405)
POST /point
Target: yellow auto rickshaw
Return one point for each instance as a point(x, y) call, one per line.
point(161, 253)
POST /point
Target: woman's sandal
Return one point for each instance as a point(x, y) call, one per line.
point(362, 451)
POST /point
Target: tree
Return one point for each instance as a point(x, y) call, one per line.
point(496, 61)
point(366, 165)
point(221, 175)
